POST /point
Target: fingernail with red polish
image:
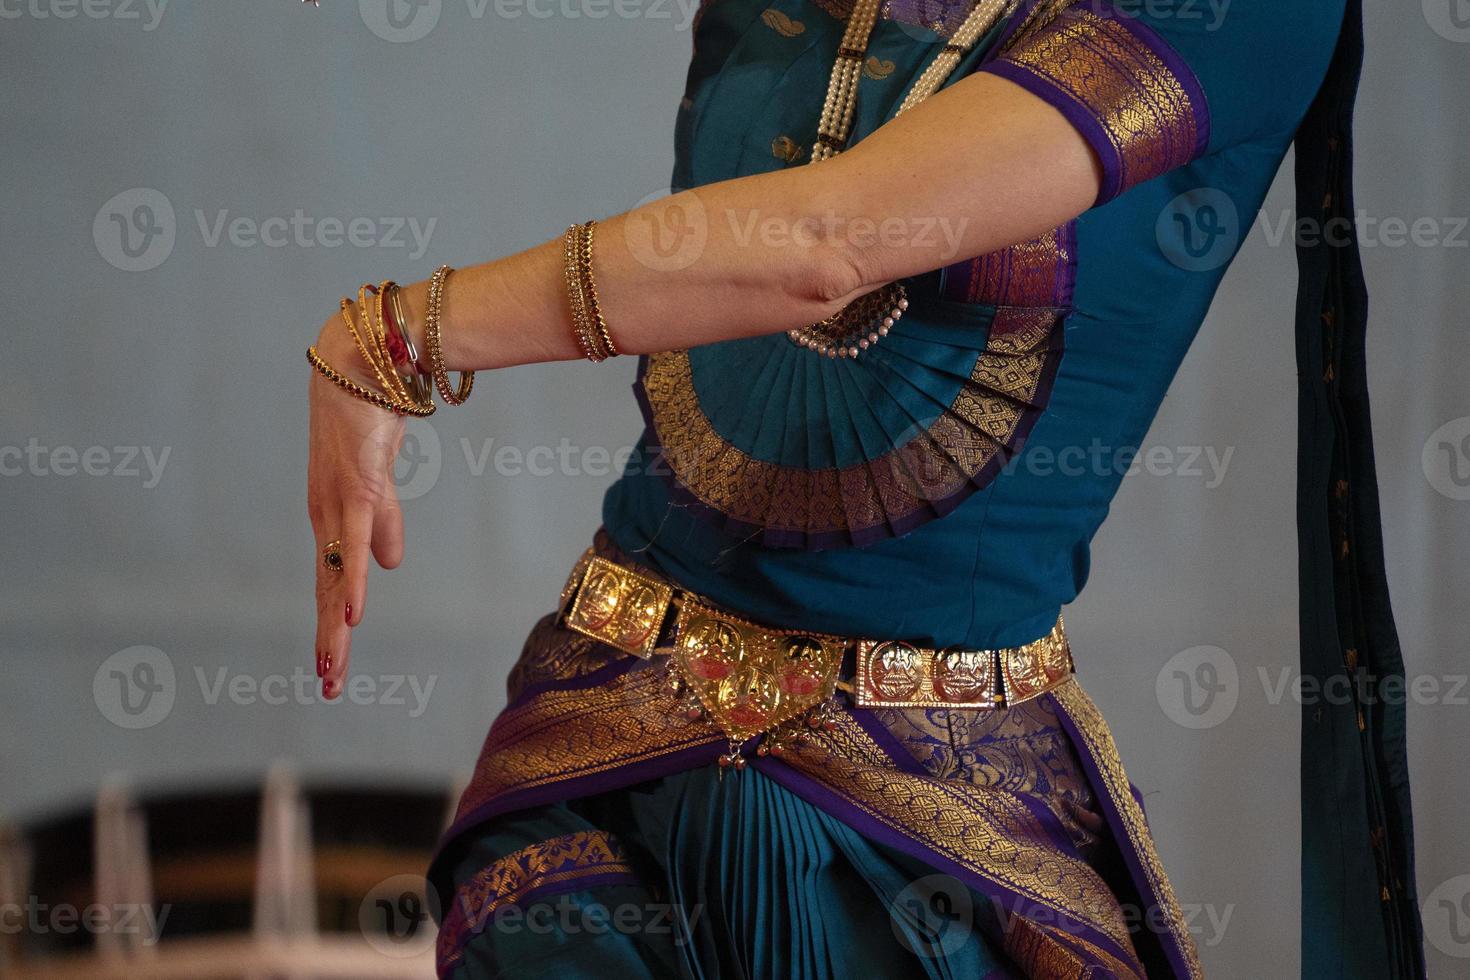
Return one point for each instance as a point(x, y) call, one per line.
point(319, 670)
point(349, 614)
point(329, 688)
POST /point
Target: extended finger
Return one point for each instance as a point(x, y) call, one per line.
point(357, 525)
point(330, 616)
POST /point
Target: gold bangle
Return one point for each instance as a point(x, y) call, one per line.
point(588, 326)
point(576, 295)
point(594, 310)
point(366, 394)
point(413, 377)
point(361, 340)
point(371, 305)
point(434, 343)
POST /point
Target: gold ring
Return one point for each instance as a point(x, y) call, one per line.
point(332, 555)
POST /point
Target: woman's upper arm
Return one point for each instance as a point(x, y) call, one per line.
point(1080, 105)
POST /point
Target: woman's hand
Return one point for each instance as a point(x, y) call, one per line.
point(350, 496)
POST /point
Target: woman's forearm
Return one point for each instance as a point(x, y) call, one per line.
point(978, 166)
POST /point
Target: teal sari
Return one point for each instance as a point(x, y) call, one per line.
point(944, 488)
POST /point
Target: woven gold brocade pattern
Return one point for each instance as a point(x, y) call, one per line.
point(1139, 103)
point(990, 833)
point(559, 861)
point(566, 734)
point(1018, 750)
point(973, 804)
point(1047, 953)
point(1099, 744)
point(560, 655)
point(932, 465)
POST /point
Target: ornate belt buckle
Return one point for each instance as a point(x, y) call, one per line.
point(748, 678)
point(620, 607)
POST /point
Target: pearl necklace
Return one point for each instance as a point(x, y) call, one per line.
point(860, 324)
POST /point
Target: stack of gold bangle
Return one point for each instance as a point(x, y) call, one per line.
point(389, 352)
point(395, 391)
point(588, 324)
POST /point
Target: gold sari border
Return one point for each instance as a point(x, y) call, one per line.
point(1081, 718)
point(570, 862)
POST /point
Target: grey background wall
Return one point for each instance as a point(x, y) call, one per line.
point(152, 418)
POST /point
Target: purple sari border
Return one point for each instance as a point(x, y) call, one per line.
point(902, 758)
point(593, 678)
point(591, 784)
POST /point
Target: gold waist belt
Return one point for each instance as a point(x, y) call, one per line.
point(751, 678)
